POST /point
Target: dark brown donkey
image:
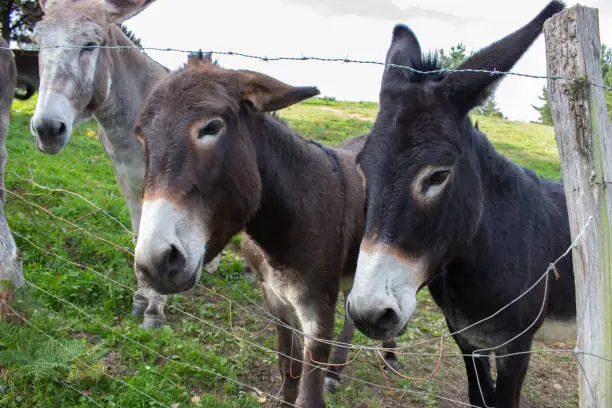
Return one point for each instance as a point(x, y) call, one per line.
point(216, 165)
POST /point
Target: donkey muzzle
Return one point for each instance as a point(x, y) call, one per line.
point(169, 250)
point(52, 123)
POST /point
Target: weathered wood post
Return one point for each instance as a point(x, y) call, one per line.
point(584, 140)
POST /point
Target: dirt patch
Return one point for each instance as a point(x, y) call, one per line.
point(113, 365)
point(345, 114)
point(91, 338)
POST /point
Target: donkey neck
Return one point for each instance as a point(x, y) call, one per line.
point(132, 77)
point(297, 178)
point(512, 195)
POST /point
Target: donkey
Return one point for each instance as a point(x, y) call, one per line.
point(27, 73)
point(218, 164)
point(10, 265)
point(445, 210)
point(79, 80)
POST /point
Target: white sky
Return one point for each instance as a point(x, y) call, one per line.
point(358, 29)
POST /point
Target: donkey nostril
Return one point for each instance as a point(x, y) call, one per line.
point(48, 128)
point(388, 319)
point(172, 257)
point(173, 260)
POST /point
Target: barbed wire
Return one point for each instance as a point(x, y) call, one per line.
point(323, 59)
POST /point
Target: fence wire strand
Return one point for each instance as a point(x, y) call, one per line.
point(345, 60)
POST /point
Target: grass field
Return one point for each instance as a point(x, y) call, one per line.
point(82, 347)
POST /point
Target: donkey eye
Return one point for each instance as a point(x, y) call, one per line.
point(438, 177)
point(89, 47)
point(212, 128)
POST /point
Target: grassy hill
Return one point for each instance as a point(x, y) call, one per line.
point(81, 344)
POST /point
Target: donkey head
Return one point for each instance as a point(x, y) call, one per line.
point(202, 182)
point(424, 196)
point(75, 75)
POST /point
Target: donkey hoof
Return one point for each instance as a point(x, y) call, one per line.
point(152, 322)
point(138, 310)
point(331, 385)
point(391, 363)
point(213, 265)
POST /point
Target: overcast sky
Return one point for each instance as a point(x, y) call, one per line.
point(358, 29)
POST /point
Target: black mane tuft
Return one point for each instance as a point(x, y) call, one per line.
point(430, 62)
point(129, 34)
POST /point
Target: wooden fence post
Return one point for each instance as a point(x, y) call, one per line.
point(584, 140)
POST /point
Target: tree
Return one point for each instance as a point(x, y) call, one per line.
point(454, 58)
point(489, 108)
point(544, 110)
point(451, 60)
point(606, 70)
point(17, 18)
point(606, 64)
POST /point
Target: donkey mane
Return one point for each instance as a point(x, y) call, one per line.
point(130, 34)
point(275, 115)
point(429, 62)
point(136, 41)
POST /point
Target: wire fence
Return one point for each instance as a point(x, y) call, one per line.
point(345, 60)
point(254, 309)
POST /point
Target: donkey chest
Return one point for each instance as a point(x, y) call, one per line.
point(487, 334)
point(476, 311)
point(283, 286)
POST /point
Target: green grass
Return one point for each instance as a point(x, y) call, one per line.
point(86, 333)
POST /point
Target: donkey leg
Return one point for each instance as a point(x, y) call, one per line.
point(389, 355)
point(339, 357)
point(511, 373)
point(128, 161)
point(10, 264)
point(481, 390)
point(4, 122)
point(288, 345)
point(317, 322)
point(289, 349)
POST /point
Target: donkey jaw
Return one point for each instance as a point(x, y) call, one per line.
point(170, 248)
point(383, 298)
point(52, 122)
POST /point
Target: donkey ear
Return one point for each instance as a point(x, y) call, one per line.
point(268, 94)
point(404, 50)
point(469, 89)
point(121, 10)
